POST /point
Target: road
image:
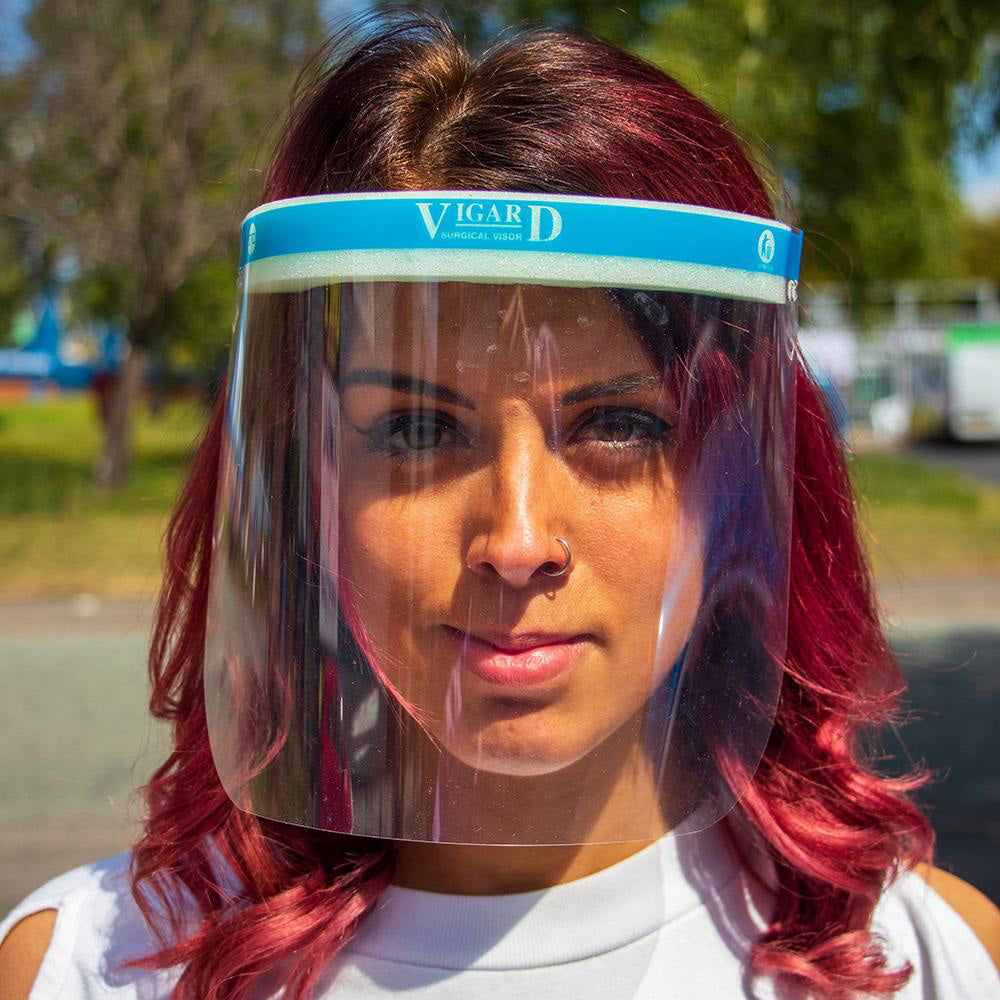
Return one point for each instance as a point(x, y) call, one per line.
point(75, 739)
point(979, 461)
point(953, 693)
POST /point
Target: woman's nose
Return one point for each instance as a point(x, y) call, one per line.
point(515, 537)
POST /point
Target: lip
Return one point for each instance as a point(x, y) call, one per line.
point(521, 660)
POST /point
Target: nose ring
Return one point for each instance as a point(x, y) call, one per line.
point(564, 569)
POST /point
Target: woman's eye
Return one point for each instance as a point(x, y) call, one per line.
point(406, 433)
point(622, 428)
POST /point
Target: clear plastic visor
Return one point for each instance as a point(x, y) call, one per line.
point(499, 563)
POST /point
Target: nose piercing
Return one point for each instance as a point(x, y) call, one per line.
point(564, 569)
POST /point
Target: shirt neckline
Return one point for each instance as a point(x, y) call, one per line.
point(579, 919)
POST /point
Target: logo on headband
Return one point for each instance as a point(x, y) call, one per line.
point(483, 222)
point(765, 246)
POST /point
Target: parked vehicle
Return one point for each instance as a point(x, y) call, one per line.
point(972, 355)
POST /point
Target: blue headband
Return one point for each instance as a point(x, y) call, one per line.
point(503, 237)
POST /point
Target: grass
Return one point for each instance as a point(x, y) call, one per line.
point(926, 521)
point(60, 536)
point(48, 451)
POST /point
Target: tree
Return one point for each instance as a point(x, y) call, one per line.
point(980, 248)
point(128, 131)
point(861, 107)
point(17, 280)
point(857, 106)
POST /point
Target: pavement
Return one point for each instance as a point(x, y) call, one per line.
point(919, 605)
point(75, 737)
point(977, 460)
point(953, 691)
point(76, 740)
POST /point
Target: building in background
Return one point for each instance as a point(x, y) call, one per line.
point(926, 361)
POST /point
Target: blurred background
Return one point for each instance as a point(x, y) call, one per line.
point(132, 138)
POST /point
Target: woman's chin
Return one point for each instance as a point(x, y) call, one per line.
point(518, 748)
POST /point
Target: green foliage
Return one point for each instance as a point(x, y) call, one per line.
point(128, 134)
point(202, 316)
point(857, 107)
point(622, 24)
point(23, 271)
point(14, 287)
point(979, 249)
point(126, 137)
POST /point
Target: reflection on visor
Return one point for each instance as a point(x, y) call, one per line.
point(500, 562)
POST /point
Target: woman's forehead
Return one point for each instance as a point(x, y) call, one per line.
point(458, 324)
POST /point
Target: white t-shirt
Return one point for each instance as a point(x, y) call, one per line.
point(674, 921)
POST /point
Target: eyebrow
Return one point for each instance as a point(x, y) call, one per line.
point(620, 386)
point(406, 383)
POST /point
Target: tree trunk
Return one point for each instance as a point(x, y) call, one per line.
point(116, 450)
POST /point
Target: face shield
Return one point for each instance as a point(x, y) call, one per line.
point(502, 536)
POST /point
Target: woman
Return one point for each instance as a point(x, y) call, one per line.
point(518, 567)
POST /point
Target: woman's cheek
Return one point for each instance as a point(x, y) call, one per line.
point(635, 537)
point(650, 564)
point(372, 553)
point(398, 553)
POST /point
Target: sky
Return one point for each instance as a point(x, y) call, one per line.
point(979, 180)
point(978, 175)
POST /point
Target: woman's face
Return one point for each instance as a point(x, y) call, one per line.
point(479, 423)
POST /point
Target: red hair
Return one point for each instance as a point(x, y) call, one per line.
point(549, 112)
